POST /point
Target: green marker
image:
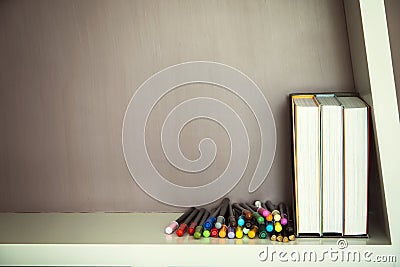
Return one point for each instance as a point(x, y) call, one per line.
point(206, 233)
point(253, 209)
point(199, 229)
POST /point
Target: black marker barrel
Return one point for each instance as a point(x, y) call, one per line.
point(263, 211)
point(244, 211)
point(196, 221)
point(199, 228)
point(208, 224)
point(184, 225)
point(275, 213)
point(256, 215)
point(283, 212)
point(290, 224)
point(221, 218)
point(174, 224)
point(262, 231)
point(231, 219)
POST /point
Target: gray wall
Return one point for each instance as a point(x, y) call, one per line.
point(69, 68)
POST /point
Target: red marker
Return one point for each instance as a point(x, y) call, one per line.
point(174, 224)
point(196, 220)
point(183, 226)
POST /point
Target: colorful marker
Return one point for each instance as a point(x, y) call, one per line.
point(264, 212)
point(239, 232)
point(221, 218)
point(248, 223)
point(196, 221)
point(199, 228)
point(172, 226)
point(269, 227)
point(206, 233)
point(183, 226)
point(231, 232)
point(253, 209)
point(269, 217)
point(283, 212)
point(277, 227)
point(211, 220)
point(241, 221)
point(246, 230)
point(223, 231)
point(214, 232)
point(262, 232)
point(253, 231)
point(246, 213)
point(275, 213)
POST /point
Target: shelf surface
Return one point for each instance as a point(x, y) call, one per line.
point(122, 228)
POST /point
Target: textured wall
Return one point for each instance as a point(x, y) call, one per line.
point(69, 68)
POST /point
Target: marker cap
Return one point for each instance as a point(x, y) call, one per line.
point(206, 233)
point(241, 220)
point(191, 228)
point(278, 227)
point(269, 227)
point(262, 234)
point(198, 231)
point(284, 219)
point(214, 232)
point(171, 227)
point(277, 215)
point(252, 233)
point(231, 232)
point(222, 231)
point(247, 214)
point(246, 230)
point(239, 232)
point(232, 221)
point(209, 223)
point(220, 221)
point(259, 218)
point(181, 230)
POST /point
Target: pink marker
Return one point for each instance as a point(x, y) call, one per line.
point(174, 224)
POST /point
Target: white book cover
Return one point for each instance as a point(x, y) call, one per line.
point(306, 163)
point(331, 161)
point(356, 145)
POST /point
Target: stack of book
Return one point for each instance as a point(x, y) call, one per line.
point(330, 149)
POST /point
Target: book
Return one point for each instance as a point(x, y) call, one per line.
point(331, 163)
point(306, 147)
point(356, 146)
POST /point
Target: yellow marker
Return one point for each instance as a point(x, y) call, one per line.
point(222, 231)
point(277, 227)
point(239, 232)
point(253, 232)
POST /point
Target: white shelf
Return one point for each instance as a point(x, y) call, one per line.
point(128, 239)
point(122, 228)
